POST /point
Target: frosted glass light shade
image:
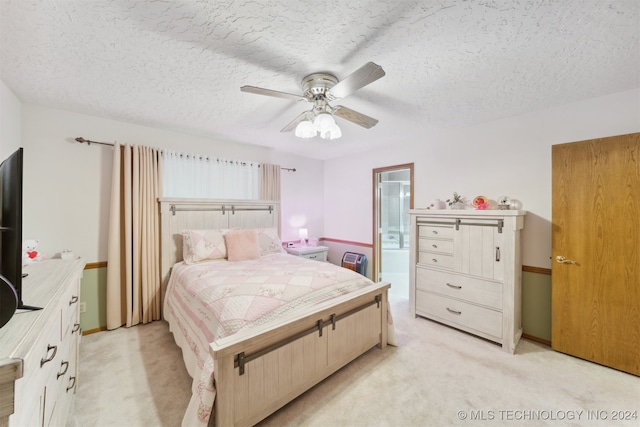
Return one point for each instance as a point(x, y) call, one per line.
point(305, 129)
point(333, 133)
point(323, 122)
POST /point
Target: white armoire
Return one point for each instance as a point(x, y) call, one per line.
point(466, 271)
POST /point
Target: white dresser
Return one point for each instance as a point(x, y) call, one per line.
point(466, 270)
point(39, 351)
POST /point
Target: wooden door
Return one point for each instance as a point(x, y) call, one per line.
point(596, 228)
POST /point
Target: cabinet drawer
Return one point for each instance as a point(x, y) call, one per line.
point(433, 259)
point(435, 245)
point(318, 256)
point(436, 231)
point(470, 317)
point(476, 291)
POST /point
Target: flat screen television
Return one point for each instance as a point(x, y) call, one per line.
point(11, 236)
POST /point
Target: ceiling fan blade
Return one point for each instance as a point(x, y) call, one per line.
point(368, 73)
point(291, 126)
point(274, 93)
point(355, 117)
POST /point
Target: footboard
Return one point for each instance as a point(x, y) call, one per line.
point(258, 373)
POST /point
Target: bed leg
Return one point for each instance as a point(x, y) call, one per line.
point(384, 327)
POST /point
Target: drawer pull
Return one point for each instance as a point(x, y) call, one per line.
point(313, 256)
point(66, 368)
point(454, 286)
point(435, 246)
point(53, 354)
point(72, 383)
point(76, 328)
point(454, 311)
point(434, 231)
point(497, 253)
point(434, 260)
point(74, 299)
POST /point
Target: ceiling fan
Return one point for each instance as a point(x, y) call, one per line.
point(319, 89)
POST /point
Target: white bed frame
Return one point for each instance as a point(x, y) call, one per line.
point(259, 371)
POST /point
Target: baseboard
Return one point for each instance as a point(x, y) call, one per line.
point(93, 331)
point(537, 339)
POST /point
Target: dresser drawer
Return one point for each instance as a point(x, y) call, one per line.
point(476, 291)
point(436, 231)
point(432, 259)
point(470, 317)
point(435, 245)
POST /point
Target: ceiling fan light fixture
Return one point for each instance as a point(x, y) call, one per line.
point(324, 122)
point(305, 129)
point(333, 133)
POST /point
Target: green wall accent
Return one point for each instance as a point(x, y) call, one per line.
point(536, 302)
point(93, 292)
point(536, 305)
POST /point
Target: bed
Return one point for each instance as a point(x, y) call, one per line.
point(257, 327)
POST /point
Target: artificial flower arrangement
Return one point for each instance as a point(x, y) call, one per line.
point(455, 200)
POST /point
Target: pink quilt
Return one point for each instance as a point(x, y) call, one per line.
point(215, 299)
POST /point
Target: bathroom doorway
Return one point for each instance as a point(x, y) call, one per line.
point(393, 197)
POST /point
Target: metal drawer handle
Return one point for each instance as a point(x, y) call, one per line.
point(76, 328)
point(435, 246)
point(434, 231)
point(74, 299)
point(72, 381)
point(454, 311)
point(434, 260)
point(313, 257)
point(454, 286)
point(66, 368)
point(53, 354)
point(497, 253)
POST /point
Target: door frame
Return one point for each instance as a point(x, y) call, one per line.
point(377, 253)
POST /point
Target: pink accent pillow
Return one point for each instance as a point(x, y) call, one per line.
point(242, 245)
point(202, 245)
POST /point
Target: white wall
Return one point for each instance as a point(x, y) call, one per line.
point(10, 121)
point(507, 157)
point(67, 184)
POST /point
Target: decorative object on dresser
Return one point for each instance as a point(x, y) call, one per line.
point(39, 352)
point(466, 271)
point(318, 253)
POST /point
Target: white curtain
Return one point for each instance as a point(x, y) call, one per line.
point(195, 176)
point(133, 268)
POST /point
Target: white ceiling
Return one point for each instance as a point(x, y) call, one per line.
point(179, 65)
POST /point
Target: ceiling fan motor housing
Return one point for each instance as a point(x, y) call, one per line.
point(318, 84)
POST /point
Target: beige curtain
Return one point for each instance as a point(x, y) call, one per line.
point(270, 182)
point(133, 270)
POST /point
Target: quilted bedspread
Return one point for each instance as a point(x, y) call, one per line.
point(214, 299)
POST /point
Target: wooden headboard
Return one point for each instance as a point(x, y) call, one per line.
point(177, 215)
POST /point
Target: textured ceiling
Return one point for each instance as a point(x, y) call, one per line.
point(179, 64)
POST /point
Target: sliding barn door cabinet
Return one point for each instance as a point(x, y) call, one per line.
point(466, 271)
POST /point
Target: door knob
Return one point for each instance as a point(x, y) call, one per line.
point(562, 260)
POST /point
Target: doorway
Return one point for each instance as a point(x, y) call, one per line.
point(393, 197)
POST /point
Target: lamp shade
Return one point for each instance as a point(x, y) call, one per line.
point(324, 122)
point(303, 233)
point(305, 129)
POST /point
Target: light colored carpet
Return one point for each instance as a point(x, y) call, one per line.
point(436, 376)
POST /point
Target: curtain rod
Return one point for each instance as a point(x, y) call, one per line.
point(89, 142)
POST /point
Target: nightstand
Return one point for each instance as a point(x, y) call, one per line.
point(318, 253)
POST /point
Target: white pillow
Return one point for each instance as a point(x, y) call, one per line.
point(202, 245)
point(269, 241)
